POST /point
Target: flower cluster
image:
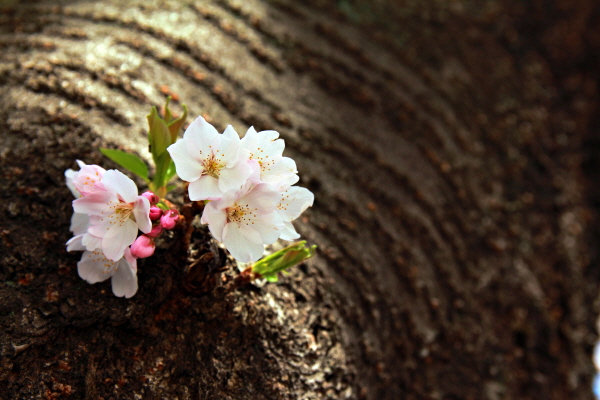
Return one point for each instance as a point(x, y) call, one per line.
point(246, 183)
point(108, 215)
point(246, 186)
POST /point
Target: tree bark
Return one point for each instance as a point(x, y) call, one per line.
point(445, 144)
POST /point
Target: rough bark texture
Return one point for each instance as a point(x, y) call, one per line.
point(444, 141)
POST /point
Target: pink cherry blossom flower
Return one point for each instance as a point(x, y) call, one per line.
point(212, 163)
point(95, 267)
point(291, 204)
point(267, 149)
point(116, 213)
point(245, 220)
point(85, 181)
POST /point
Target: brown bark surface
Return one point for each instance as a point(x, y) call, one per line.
point(446, 144)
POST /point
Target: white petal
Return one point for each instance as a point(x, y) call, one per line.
point(263, 145)
point(216, 220)
point(91, 242)
point(200, 135)
point(244, 244)
point(124, 281)
point(294, 202)
point(93, 204)
point(262, 197)
point(79, 223)
point(117, 182)
point(268, 226)
point(289, 232)
point(94, 267)
point(205, 188)
point(283, 170)
point(70, 175)
point(118, 238)
point(141, 212)
point(229, 147)
point(233, 178)
point(74, 244)
point(188, 168)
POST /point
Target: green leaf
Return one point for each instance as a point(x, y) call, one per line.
point(171, 172)
point(159, 136)
point(129, 161)
point(162, 165)
point(283, 259)
point(271, 278)
point(168, 115)
point(176, 125)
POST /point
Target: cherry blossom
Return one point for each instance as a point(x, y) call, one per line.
point(212, 163)
point(85, 181)
point(116, 214)
point(95, 267)
point(291, 204)
point(245, 220)
point(267, 149)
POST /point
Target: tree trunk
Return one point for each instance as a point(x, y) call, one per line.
point(444, 143)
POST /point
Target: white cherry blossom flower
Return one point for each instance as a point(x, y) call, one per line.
point(95, 267)
point(291, 204)
point(116, 214)
point(245, 220)
point(267, 149)
point(212, 163)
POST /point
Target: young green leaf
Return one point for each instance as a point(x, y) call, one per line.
point(171, 172)
point(168, 114)
point(158, 135)
point(283, 259)
point(129, 161)
point(176, 124)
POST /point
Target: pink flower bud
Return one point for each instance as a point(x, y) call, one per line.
point(155, 213)
point(143, 247)
point(169, 219)
point(152, 198)
point(155, 231)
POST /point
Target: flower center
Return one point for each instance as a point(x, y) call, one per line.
point(241, 214)
point(121, 212)
point(235, 214)
point(212, 166)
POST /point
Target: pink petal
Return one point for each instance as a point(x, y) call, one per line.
point(93, 204)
